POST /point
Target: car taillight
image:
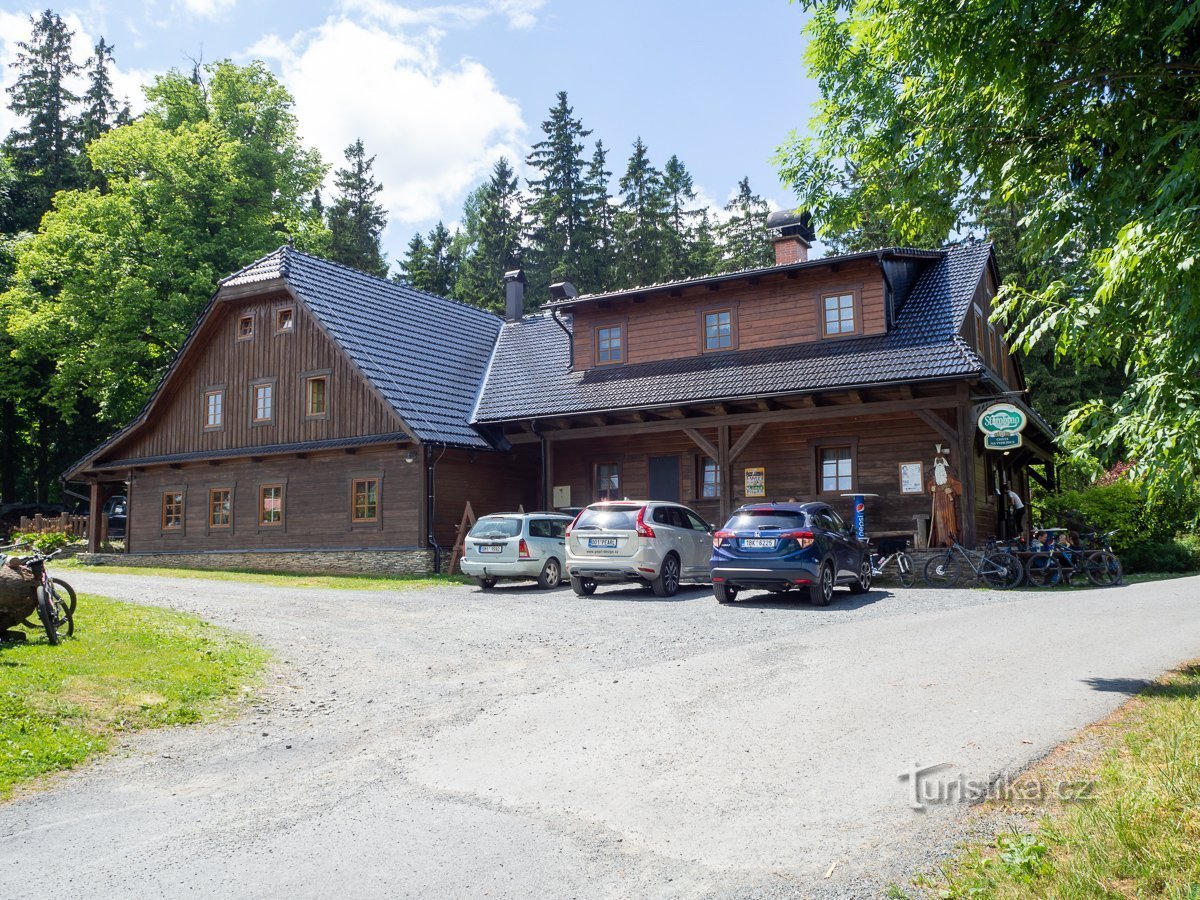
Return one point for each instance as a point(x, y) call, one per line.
point(802, 538)
point(643, 529)
point(523, 549)
point(721, 536)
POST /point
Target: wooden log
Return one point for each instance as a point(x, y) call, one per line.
point(18, 594)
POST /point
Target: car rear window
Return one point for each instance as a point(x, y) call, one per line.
point(495, 527)
point(608, 518)
point(766, 518)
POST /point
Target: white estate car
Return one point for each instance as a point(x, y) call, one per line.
point(653, 542)
point(516, 545)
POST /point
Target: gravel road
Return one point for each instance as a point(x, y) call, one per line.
point(519, 743)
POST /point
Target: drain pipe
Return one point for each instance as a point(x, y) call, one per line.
point(570, 337)
point(431, 505)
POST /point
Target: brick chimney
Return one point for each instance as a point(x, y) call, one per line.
point(792, 233)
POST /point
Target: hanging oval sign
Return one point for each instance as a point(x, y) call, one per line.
point(1002, 417)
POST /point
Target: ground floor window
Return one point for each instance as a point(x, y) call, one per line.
point(220, 508)
point(836, 469)
point(608, 481)
point(364, 505)
point(708, 476)
point(172, 510)
point(270, 504)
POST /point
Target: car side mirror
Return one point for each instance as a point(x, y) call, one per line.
point(710, 527)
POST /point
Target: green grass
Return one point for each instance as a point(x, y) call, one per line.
point(1139, 835)
point(284, 580)
point(128, 667)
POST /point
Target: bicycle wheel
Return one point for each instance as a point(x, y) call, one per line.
point(45, 608)
point(1042, 570)
point(1103, 568)
point(1001, 570)
point(64, 593)
point(904, 565)
point(942, 571)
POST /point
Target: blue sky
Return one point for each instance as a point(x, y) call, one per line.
point(439, 91)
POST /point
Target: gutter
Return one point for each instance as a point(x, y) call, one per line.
point(431, 505)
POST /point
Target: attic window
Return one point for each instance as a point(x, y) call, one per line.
point(839, 315)
point(610, 347)
point(245, 327)
point(284, 320)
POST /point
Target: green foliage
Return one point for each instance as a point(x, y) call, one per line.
point(1086, 124)
point(1178, 555)
point(47, 542)
point(642, 222)
point(128, 667)
point(210, 178)
point(744, 239)
point(491, 238)
point(432, 263)
point(356, 218)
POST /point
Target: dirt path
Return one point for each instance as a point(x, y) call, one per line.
point(453, 743)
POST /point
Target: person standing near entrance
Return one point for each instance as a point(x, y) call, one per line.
point(1017, 506)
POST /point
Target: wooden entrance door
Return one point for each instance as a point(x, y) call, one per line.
point(664, 478)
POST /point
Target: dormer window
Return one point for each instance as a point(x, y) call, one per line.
point(284, 320)
point(719, 330)
point(610, 345)
point(245, 327)
point(839, 315)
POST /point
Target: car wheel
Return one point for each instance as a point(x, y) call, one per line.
point(863, 584)
point(724, 593)
point(584, 587)
point(551, 575)
point(822, 592)
point(486, 583)
point(667, 582)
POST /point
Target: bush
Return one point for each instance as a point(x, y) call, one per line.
point(47, 542)
point(1121, 506)
point(1180, 555)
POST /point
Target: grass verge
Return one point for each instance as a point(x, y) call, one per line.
point(128, 667)
point(1128, 825)
point(280, 579)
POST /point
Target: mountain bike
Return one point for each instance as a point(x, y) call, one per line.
point(55, 598)
point(998, 569)
point(898, 564)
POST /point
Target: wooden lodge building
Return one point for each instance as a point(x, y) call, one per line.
point(321, 418)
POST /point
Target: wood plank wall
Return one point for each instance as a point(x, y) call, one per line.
point(316, 503)
point(216, 357)
point(776, 312)
point(493, 482)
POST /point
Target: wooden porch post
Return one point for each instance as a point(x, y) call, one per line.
point(726, 469)
point(967, 468)
point(95, 516)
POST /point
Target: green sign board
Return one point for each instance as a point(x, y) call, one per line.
point(1007, 440)
point(1002, 418)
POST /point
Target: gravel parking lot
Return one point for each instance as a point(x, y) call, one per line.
point(520, 743)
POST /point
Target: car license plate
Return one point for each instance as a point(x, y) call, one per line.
point(602, 543)
point(758, 543)
point(491, 548)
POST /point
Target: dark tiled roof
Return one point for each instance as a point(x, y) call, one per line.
point(530, 376)
point(425, 354)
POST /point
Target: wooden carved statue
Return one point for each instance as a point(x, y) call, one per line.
point(946, 489)
point(18, 594)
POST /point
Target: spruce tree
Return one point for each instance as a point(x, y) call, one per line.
point(491, 239)
point(556, 204)
point(596, 255)
point(745, 243)
point(100, 111)
point(356, 219)
point(641, 223)
point(431, 264)
point(414, 268)
point(680, 193)
point(45, 149)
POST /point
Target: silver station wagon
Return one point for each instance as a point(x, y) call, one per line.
point(516, 545)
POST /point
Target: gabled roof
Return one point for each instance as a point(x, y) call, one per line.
point(425, 355)
point(530, 374)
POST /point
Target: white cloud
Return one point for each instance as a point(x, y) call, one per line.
point(434, 128)
point(208, 9)
point(518, 13)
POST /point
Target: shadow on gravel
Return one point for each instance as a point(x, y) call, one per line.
point(1131, 686)
point(635, 594)
point(1128, 686)
point(842, 601)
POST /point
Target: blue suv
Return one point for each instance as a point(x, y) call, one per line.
point(784, 546)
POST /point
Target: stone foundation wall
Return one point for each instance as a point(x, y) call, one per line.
point(410, 561)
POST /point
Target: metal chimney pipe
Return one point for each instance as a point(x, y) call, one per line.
point(514, 295)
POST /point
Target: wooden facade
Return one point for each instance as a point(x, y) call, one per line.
point(266, 435)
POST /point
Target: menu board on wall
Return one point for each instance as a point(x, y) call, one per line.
point(756, 482)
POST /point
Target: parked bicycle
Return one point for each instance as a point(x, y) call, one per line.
point(1048, 568)
point(996, 568)
point(55, 598)
point(897, 564)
